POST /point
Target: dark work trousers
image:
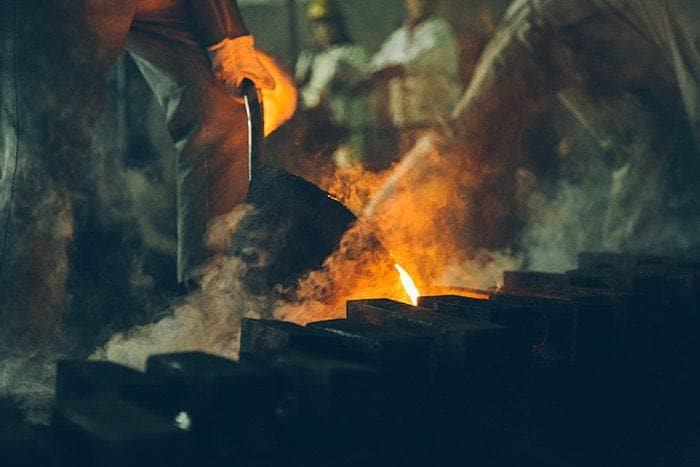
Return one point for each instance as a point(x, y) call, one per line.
point(53, 60)
point(209, 129)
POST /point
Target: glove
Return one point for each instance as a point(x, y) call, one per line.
point(236, 59)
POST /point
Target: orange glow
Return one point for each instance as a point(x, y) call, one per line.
point(408, 284)
point(279, 104)
point(416, 214)
point(458, 291)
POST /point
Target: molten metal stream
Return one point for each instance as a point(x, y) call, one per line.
point(408, 284)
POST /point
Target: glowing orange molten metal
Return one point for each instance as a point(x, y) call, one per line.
point(408, 284)
point(280, 103)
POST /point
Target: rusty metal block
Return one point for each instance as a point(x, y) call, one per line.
point(261, 337)
point(577, 329)
point(76, 379)
point(462, 347)
point(328, 400)
point(21, 444)
point(230, 406)
point(103, 430)
point(405, 359)
point(530, 280)
point(666, 289)
point(393, 351)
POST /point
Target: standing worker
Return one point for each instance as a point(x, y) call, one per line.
point(419, 62)
point(194, 55)
point(328, 75)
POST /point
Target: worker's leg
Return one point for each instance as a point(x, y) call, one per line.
point(209, 129)
point(53, 58)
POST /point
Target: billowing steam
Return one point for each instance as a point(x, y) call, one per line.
point(206, 319)
point(420, 214)
point(412, 215)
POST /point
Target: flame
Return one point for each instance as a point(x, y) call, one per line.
point(279, 104)
point(417, 214)
point(408, 284)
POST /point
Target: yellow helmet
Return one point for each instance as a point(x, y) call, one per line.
point(320, 10)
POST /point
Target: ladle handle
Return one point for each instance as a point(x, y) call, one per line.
point(256, 136)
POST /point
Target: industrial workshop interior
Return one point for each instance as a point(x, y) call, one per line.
point(349, 233)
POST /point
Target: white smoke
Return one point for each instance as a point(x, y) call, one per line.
point(207, 319)
point(565, 224)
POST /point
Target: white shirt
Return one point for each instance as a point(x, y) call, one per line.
point(332, 73)
point(430, 88)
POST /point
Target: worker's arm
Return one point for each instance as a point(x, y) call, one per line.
point(435, 48)
point(304, 67)
point(432, 50)
point(387, 63)
point(218, 20)
point(222, 30)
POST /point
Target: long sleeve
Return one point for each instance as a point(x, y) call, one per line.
point(217, 20)
point(391, 51)
point(302, 69)
point(431, 47)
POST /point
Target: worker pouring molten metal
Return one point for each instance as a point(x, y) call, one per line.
point(194, 54)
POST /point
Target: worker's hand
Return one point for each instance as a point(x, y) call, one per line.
point(235, 60)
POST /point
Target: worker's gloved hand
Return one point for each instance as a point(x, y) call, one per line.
point(236, 59)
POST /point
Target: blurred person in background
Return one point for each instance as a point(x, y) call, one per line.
point(419, 63)
point(328, 75)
